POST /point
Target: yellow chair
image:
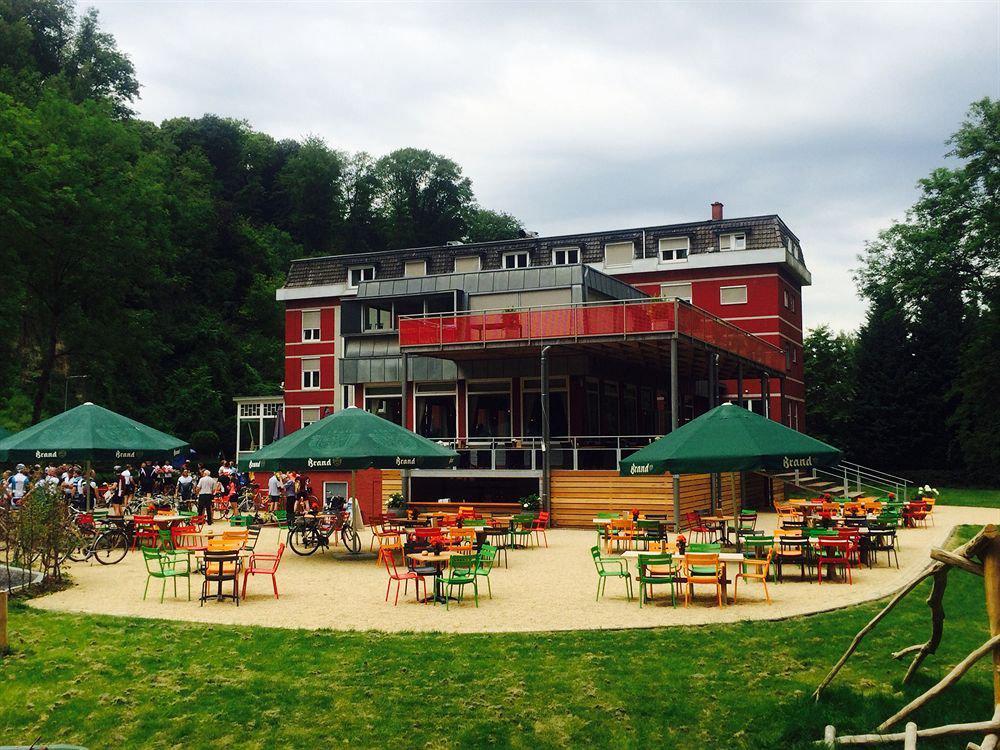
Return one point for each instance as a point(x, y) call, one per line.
point(762, 569)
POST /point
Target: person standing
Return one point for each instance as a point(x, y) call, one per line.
point(207, 487)
point(185, 488)
point(274, 491)
point(18, 485)
point(127, 484)
point(168, 478)
point(289, 483)
point(147, 478)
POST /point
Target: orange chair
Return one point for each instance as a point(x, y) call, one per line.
point(391, 541)
point(144, 530)
point(462, 540)
point(264, 565)
point(620, 531)
point(539, 525)
point(702, 568)
point(762, 568)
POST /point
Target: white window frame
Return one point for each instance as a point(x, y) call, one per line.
point(350, 275)
point(687, 299)
point(516, 255)
point(566, 251)
point(733, 243)
point(746, 295)
point(312, 333)
point(631, 260)
point(313, 411)
point(433, 388)
point(313, 382)
point(661, 250)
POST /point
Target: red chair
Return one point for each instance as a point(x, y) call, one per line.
point(187, 538)
point(427, 533)
point(696, 526)
point(387, 557)
point(198, 522)
point(854, 548)
point(265, 565)
point(539, 525)
point(835, 553)
point(144, 529)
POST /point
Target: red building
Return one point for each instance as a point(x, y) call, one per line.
point(643, 329)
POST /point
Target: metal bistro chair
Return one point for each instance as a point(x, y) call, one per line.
point(221, 566)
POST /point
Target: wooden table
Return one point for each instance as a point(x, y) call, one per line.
point(169, 520)
point(722, 522)
point(438, 560)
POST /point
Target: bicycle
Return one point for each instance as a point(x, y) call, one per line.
point(108, 544)
point(308, 533)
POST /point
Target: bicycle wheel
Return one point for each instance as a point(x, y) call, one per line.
point(352, 542)
point(303, 541)
point(110, 547)
point(80, 550)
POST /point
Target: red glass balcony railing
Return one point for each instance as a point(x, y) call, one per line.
point(619, 319)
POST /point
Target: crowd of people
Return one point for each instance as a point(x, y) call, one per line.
point(189, 484)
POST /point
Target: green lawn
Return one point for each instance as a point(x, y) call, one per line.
point(106, 682)
point(977, 498)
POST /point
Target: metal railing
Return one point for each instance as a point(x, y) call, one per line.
point(560, 322)
point(853, 477)
point(524, 453)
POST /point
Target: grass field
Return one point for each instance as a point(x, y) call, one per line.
point(976, 498)
point(105, 682)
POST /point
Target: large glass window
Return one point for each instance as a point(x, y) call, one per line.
point(489, 409)
point(386, 401)
point(378, 319)
point(630, 410)
point(592, 414)
point(647, 412)
point(436, 412)
point(558, 407)
point(609, 409)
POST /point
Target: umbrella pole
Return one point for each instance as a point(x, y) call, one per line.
point(353, 494)
point(86, 483)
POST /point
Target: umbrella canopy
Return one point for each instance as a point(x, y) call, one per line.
point(89, 433)
point(4, 432)
point(729, 438)
point(351, 439)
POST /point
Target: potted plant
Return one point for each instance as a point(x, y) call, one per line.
point(531, 503)
point(396, 505)
point(927, 492)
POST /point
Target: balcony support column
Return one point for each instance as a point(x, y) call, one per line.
point(674, 420)
point(715, 502)
point(404, 376)
point(739, 385)
point(546, 436)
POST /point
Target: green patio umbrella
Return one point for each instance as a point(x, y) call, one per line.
point(729, 438)
point(4, 432)
point(351, 439)
point(88, 433)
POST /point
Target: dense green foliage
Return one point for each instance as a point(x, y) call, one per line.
point(913, 389)
point(146, 257)
point(115, 682)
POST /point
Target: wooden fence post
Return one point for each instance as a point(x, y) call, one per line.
point(910, 738)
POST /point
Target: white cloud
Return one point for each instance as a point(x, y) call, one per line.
point(591, 116)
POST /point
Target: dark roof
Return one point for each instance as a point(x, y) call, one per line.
point(762, 232)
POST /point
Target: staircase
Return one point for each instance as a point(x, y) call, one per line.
point(847, 480)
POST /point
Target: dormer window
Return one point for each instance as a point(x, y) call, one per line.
point(674, 249)
point(519, 259)
point(565, 256)
point(619, 253)
point(357, 274)
point(734, 241)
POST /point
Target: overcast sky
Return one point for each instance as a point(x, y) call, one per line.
point(580, 117)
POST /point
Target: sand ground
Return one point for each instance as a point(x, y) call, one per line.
point(543, 589)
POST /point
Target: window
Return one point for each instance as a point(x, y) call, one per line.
point(435, 410)
point(795, 354)
point(789, 300)
point(788, 358)
point(467, 264)
point(732, 295)
point(310, 325)
point(674, 249)
point(609, 408)
point(515, 260)
point(737, 241)
point(619, 253)
point(358, 274)
point(334, 489)
point(378, 319)
point(565, 256)
point(310, 373)
point(308, 416)
point(680, 290)
point(385, 401)
point(415, 268)
point(489, 409)
point(531, 414)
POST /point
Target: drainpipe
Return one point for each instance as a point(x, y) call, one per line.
point(404, 376)
point(546, 436)
point(674, 418)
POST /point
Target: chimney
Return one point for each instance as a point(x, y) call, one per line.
point(717, 211)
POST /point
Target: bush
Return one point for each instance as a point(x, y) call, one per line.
point(40, 533)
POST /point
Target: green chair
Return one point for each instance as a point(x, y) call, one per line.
point(281, 518)
point(610, 567)
point(461, 573)
point(164, 564)
point(473, 523)
point(521, 530)
point(484, 564)
point(648, 531)
point(165, 540)
point(602, 527)
point(652, 573)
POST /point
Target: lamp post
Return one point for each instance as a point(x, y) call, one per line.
point(66, 391)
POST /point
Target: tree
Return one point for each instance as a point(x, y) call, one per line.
point(423, 198)
point(488, 226)
point(830, 387)
point(310, 184)
point(96, 69)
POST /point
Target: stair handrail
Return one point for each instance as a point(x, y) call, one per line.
point(868, 470)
